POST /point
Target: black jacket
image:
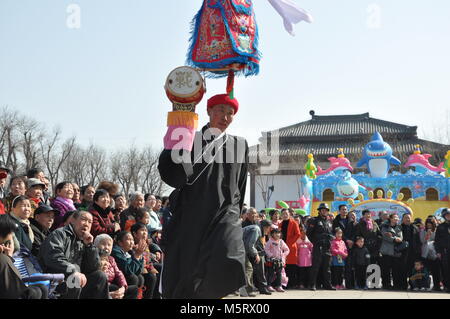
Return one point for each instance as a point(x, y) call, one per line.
point(360, 256)
point(347, 226)
point(63, 252)
point(442, 238)
point(320, 233)
point(411, 235)
point(40, 233)
point(372, 238)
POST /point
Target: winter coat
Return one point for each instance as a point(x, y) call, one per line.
point(346, 225)
point(442, 239)
point(62, 209)
point(251, 234)
point(2, 208)
point(338, 248)
point(388, 243)
point(305, 248)
point(321, 234)
point(127, 214)
point(427, 251)
point(127, 263)
point(102, 221)
point(293, 234)
point(22, 233)
point(372, 238)
point(63, 252)
point(411, 235)
point(114, 274)
point(40, 234)
point(360, 256)
point(155, 223)
point(276, 249)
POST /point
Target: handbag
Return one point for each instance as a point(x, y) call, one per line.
point(401, 247)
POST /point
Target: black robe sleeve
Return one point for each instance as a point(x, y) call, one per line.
point(243, 178)
point(172, 174)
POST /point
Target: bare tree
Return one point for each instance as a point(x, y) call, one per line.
point(150, 179)
point(125, 168)
point(74, 167)
point(8, 138)
point(95, 158)
point(30, 132)
point(54, 155)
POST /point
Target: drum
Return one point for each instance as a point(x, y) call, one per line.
point(185, 88)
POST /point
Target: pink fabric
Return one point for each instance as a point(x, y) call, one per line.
point(369, 224)
point(114, 274)
point(276, 249)
point(305, 248)
point(338, 248)
point(179, 137)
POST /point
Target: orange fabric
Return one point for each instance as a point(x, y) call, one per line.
point(129, 223)
point(293, 234)
point(182, 118)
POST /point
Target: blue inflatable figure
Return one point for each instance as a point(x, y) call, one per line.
point(377, 155)
point(348, 187)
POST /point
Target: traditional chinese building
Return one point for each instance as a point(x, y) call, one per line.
point(287, 149)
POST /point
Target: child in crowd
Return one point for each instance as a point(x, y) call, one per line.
point(360, 260)
point(276, 252)
point(339, 253)
point(143, 217)
point(420, 279)
point(304, 261)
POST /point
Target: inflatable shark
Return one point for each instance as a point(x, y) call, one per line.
point(422, 165)
point(377, 155)
point(336, 164)
point(348, 187)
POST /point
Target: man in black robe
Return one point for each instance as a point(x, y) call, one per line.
point(204, 251)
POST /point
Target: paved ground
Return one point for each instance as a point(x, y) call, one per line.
point(348, 294)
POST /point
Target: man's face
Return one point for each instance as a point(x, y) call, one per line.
point(367, 216)
point(76, 192)
point(35, 191)
point(323, 213)
point(139, 202)
point(252, 216)
point(8, 242)
point(45, 219)
point(343, 211)
point(120, 202)
point(447, 217)
point(89, 194)
point(407, 219)
point(82, 224)
point(384, 216)
point(220, 116)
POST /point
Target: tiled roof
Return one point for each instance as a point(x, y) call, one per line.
point(351, 148)
point(344, 125)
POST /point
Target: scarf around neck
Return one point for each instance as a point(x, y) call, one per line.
point(66, 201)
point(369, 224)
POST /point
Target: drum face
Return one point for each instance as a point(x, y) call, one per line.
point(184, 82)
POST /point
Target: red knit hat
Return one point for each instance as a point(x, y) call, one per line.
point(223, 99)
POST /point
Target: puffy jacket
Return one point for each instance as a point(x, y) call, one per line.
point(338, 248)
point(320, 233)
point(278, 250)
point(63, 252)
point(126, 262)
point(372, 238)
point(388, 242)
point(360, 256)
point(102, 221)
point(427, 251)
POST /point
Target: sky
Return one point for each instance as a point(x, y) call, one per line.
point(103, 81)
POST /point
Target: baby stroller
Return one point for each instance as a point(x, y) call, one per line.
point(31, 272)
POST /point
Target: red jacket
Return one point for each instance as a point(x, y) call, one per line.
point(102, 221)
point(2, 208)
point(293, 234)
